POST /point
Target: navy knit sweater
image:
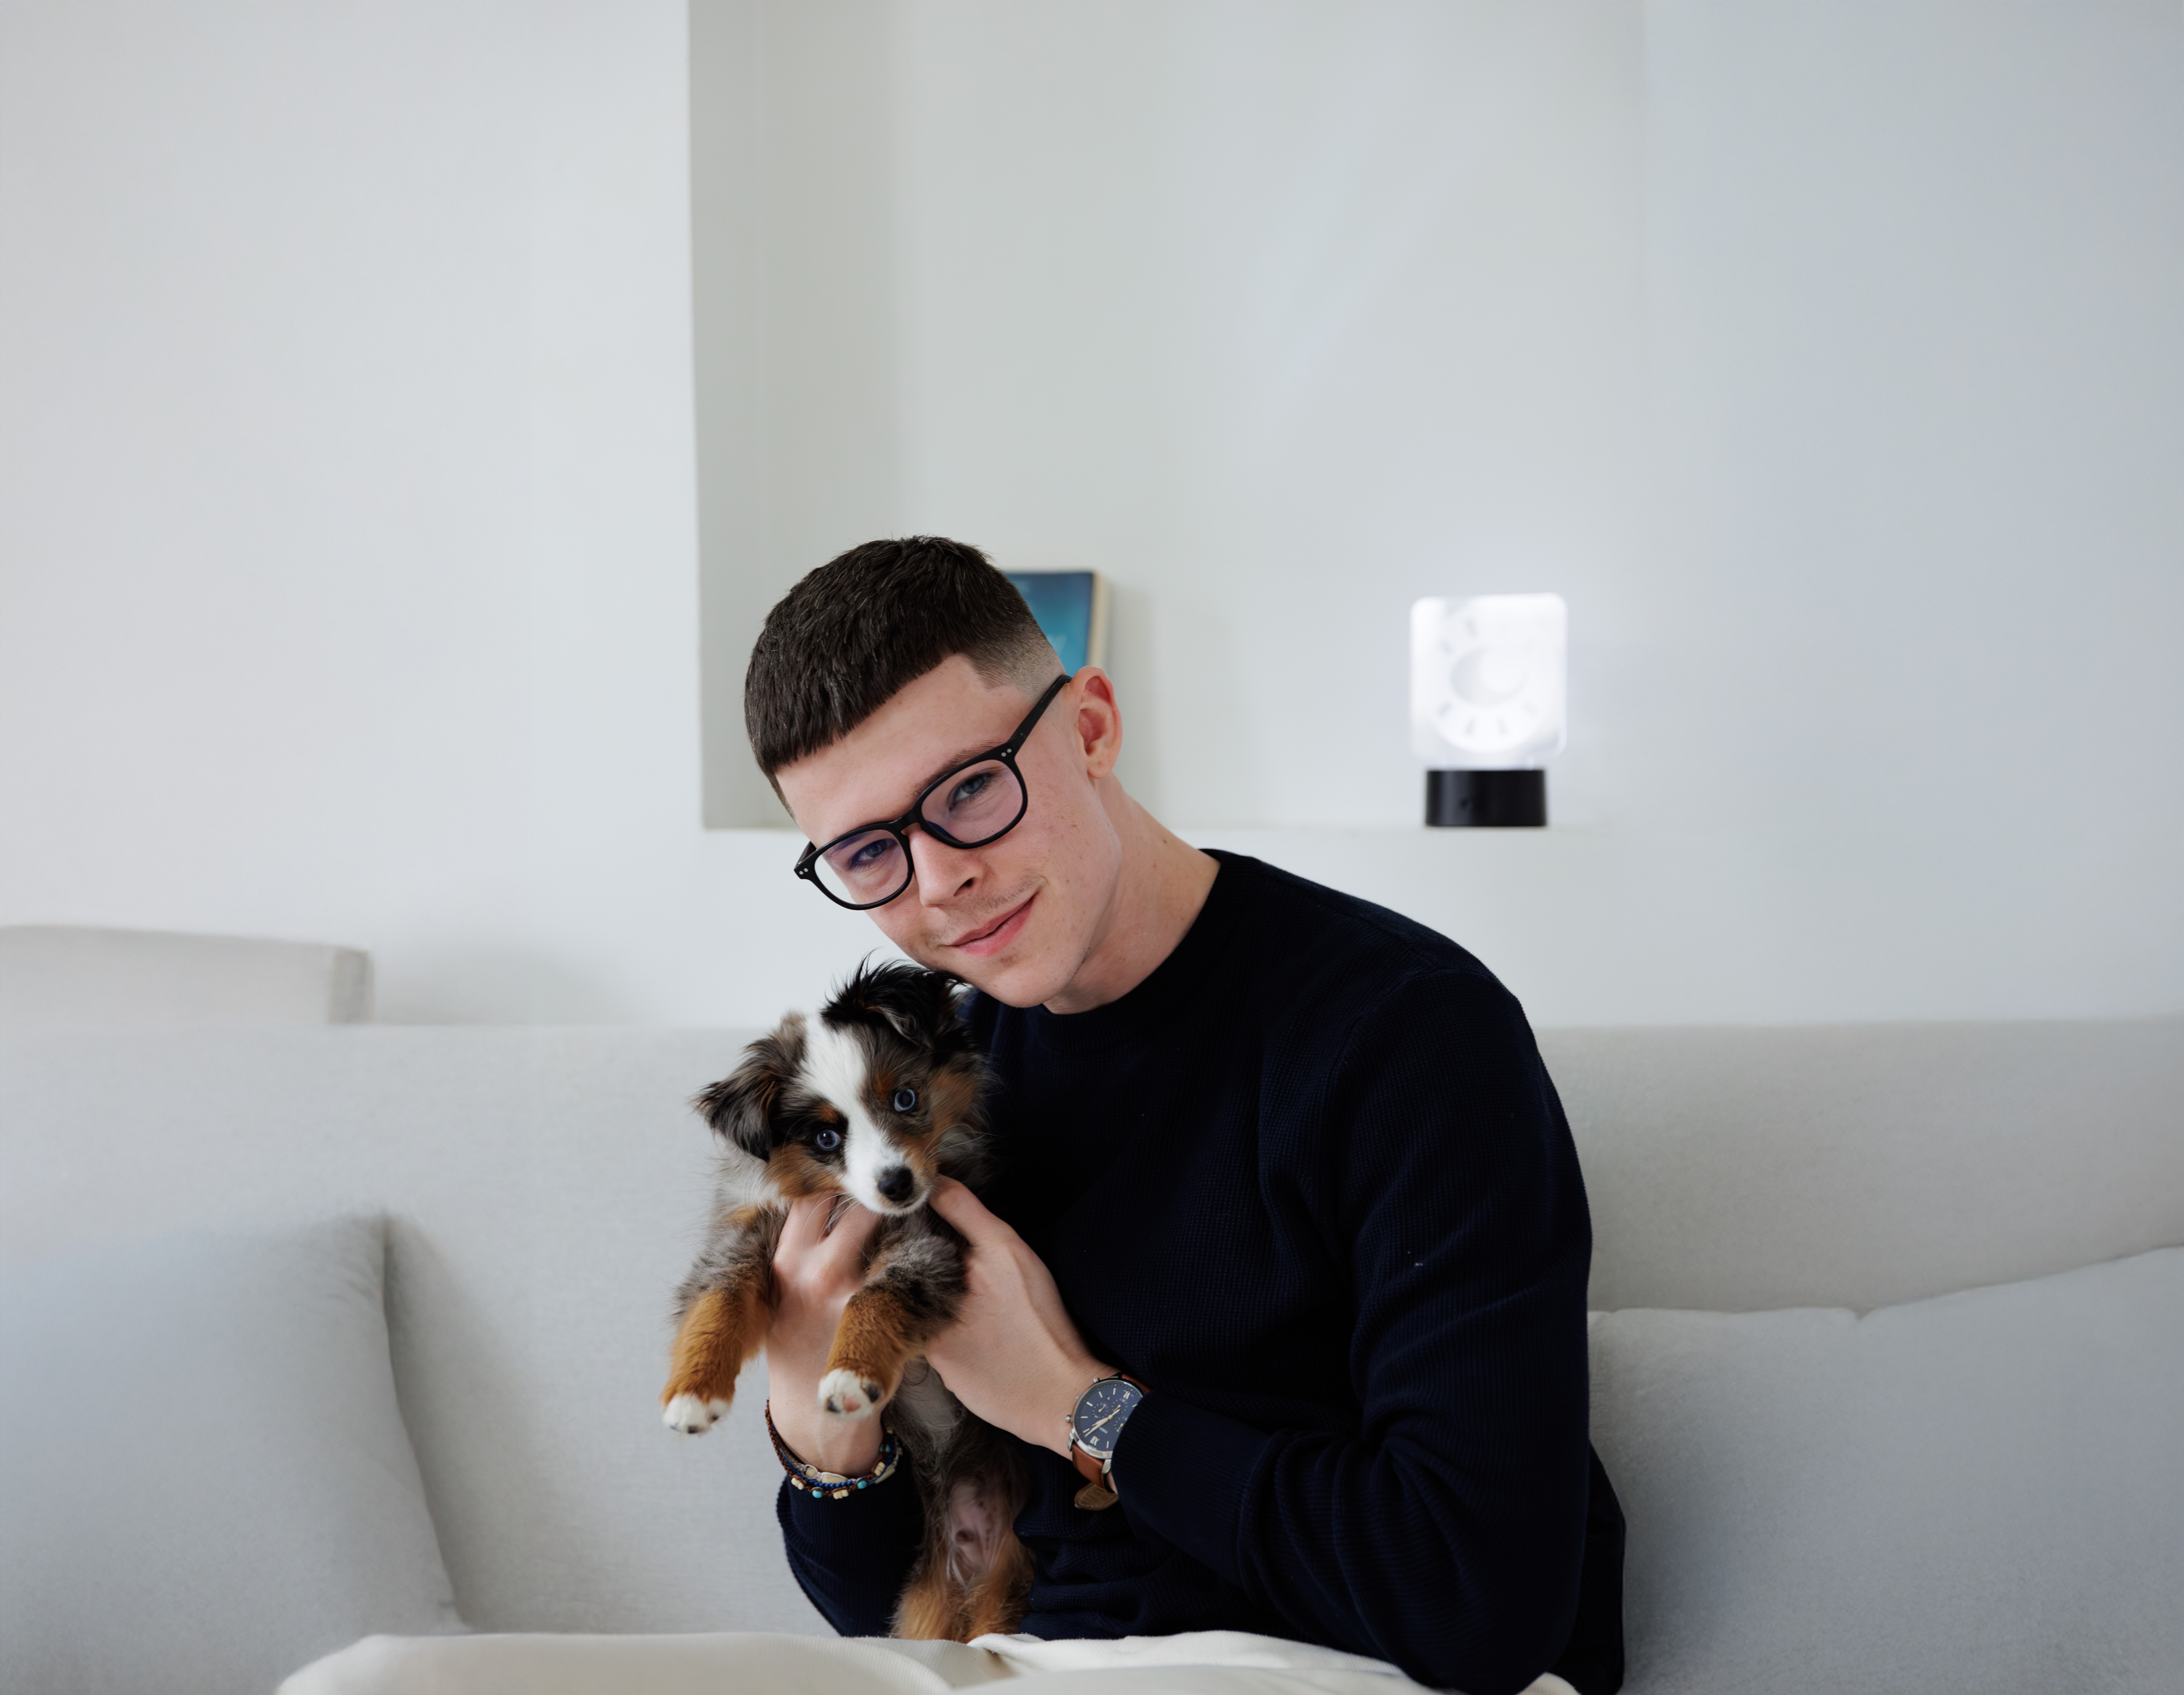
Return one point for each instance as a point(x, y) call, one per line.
point(1310, 1183)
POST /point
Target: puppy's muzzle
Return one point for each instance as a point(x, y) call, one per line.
point(896, 1184)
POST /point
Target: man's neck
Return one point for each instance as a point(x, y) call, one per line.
point(1162, 884)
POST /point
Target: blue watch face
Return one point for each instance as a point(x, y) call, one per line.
point(1101, 1412)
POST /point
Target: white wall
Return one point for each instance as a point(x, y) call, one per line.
point(345, 415)
point(1281, 315)
point(1827, 357)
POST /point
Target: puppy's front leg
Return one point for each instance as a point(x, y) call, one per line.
point(880, 1332)
point(911, 1293)
point(723, 1325)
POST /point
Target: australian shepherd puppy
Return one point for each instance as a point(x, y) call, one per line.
point(871, 1101)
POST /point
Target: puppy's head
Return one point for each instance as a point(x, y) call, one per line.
point(867, 1099)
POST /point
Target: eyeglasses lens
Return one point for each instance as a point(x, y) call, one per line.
point(975, 804)
point(861, 869)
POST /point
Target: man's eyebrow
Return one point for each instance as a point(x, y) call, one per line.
point(953, 762)
point(950, 764)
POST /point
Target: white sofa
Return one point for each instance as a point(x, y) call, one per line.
point(1812, 1500)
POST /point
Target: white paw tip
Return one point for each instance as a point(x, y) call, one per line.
point(848, 1395)
point(694, 1414)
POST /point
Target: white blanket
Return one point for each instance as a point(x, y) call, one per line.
point(762, 1662)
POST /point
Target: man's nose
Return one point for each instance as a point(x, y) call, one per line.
point(942, 871)
point(895, 1182)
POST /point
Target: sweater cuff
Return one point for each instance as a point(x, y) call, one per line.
point(1186, 1472)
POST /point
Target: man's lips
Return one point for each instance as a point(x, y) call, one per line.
point(996, 935)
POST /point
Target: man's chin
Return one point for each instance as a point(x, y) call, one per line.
point(1015, 979)
point(1021, 995)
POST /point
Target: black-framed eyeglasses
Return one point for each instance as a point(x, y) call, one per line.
point(980, 800)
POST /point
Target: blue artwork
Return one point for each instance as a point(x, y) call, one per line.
point(1068, 605)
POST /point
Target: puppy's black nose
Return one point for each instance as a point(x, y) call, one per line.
point(895, 1182)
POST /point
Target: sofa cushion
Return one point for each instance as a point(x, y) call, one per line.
point(204, 1479)
point(1980, 1493)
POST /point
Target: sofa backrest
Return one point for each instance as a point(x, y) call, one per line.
point(1741, 1169)
point(82, 975)
point(547, 1189)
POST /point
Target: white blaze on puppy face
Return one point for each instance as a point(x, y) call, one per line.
point(837, 1067)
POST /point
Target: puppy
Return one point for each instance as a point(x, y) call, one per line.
point(871, 1103)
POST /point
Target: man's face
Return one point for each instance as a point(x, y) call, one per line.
point(1020, 916)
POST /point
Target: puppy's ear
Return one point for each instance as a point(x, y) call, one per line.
point(918, 1005)
point(740, 1106)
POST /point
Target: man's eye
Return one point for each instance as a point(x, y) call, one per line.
point(871, 853)
point(970, 789)
point(905, 1100)
point(827, 1140)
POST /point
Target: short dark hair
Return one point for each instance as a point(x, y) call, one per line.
point(856, 632)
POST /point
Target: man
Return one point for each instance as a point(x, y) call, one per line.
point(1289, 1161)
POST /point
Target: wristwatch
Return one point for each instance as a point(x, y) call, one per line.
point(1095, 1422)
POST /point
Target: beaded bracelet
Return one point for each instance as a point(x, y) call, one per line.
point(823, 1486)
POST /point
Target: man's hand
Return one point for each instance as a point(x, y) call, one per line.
point(815, 1274)
point(1012, 1356)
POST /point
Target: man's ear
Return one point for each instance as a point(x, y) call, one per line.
point(741, 1106)
point(1099, 723)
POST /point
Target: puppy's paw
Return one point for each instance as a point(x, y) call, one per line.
point(849, 1394)
point(695, 1414)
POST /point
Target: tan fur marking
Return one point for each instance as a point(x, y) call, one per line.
point(955, 1098)
point(796, 1173)
point(873, 1341)
point(998, 1601)
point(928, 1612)
point(720, 1333)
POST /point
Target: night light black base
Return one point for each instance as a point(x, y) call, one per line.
point(1493, 799)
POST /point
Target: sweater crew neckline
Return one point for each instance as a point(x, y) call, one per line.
point(1171, 981)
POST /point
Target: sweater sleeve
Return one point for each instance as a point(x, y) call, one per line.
point(851, 1558)
point(1448, 1533)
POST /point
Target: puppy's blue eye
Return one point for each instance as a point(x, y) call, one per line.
point(827, 1140)
point(905, 1098)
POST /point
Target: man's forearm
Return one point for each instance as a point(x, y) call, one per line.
point(852, 1558)
point(1379, 1550)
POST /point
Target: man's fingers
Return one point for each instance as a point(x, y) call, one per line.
point(968, 1212)
point(841, 1254)
point(824, 1229)
point(807, 1223)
